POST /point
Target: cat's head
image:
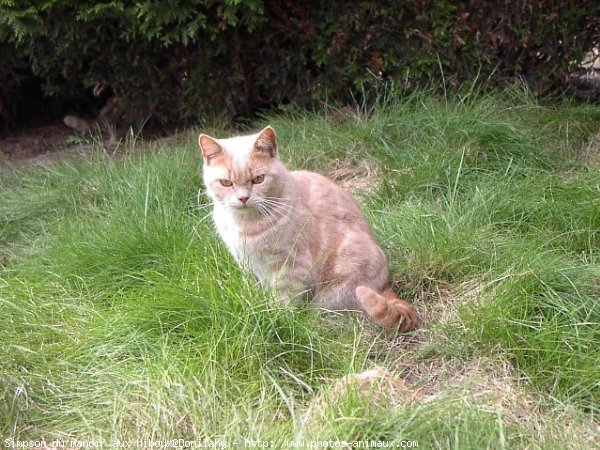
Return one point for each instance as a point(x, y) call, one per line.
point(243, 172)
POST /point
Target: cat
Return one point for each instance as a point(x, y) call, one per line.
point(105, 120)
point(297, 231)
point(113, 120)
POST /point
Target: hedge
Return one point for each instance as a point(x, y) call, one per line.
point(189, 60)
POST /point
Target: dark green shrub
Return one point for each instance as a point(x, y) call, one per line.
point(187, 60)
point(143, 51)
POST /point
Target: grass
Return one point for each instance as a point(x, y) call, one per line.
point(123, 317)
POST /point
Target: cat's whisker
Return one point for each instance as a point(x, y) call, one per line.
point(267, 214)
point(276, 200)
point(280, 208)
point(274, 211)
point(272, 207)
point(273, 198)
point(276, 203)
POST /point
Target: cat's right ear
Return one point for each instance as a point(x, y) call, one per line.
point(209, 147)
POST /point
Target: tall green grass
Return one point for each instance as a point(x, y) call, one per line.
point(123, 316)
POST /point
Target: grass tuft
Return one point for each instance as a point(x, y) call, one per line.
point(123, 317)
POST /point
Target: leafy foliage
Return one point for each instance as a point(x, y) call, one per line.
point(189, 59)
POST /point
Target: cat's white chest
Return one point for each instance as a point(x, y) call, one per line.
point(230, 234)
point(248, 254)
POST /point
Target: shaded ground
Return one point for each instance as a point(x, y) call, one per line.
point(45, 143)
point(35, 144)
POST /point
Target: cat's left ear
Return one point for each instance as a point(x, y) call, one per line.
point(266, 142)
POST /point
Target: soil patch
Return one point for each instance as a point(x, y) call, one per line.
point(354, 176)
point(35, 141)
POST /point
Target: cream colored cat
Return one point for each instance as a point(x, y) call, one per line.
point(297, 231)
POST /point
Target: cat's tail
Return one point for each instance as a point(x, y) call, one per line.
point(387, 309)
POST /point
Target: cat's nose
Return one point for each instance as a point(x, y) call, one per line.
point(243, 199)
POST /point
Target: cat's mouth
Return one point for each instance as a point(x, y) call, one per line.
point(242, 206)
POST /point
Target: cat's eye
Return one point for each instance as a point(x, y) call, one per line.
point(225, 183)
point(258, 179)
